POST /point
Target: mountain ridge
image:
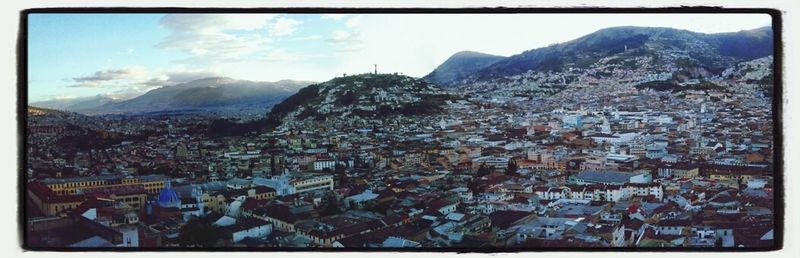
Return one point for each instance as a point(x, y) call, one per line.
point(609, 41)
point(204, 94)
point(460, 65)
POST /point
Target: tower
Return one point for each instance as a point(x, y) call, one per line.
point(376, 68)
point(606, 127)
point(197, 193)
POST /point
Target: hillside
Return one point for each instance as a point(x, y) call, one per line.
point(623, 54)
point(712, 51)
point(459, 66)
point(365, 95)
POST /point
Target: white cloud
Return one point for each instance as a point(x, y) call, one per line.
point(135, 80)
point(215, 38)
point(341, 35)
point(353, 22)
point(283, 56)
point(345, 41)
point(283, 26)
point(335, 16)
point(309, 37)
point(110, 77)
point(176, 77)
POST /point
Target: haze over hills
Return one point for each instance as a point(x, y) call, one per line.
point(459, 66)
point(204, 94)
point(76, 104)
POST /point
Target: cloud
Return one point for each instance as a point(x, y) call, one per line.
point(283, 26)
point(132, 81)
point(345, 41)
point(309, 37)
point(110, 77)
point(335, 16)
point(172, 78)
point(216, 38)
point(280, 55)
point(353, 22)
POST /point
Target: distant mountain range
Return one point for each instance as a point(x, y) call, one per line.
point(697, 54)
point(76, 104)
point(202, 94)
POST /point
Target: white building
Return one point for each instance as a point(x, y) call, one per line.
point(320, 165)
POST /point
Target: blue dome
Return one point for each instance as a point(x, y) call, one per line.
point(168, 198)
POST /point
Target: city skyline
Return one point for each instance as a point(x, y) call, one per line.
point(157, 49)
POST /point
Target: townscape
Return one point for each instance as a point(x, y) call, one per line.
point(629, 150)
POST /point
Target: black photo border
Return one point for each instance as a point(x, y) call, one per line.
point(777, 105)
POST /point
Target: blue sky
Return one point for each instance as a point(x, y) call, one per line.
point(124, 55)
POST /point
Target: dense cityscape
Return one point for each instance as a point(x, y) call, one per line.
point(646, 147)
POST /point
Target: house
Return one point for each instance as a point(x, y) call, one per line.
point(672, 227)
point(644, 190)
point(443, 206)
point(553, 193)
point(609, 178)
point(247, 228)
point(282, 217)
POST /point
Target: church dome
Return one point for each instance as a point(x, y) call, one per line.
point(168, 198)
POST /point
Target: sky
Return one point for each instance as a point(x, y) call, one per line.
point(125, 55)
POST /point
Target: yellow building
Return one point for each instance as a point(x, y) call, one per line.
point(50, 203)
point(71, 186)
point(132, 195)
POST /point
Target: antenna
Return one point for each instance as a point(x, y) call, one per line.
point(376, 68)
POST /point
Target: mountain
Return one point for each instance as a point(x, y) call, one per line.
point(365, 95)
point(622, 52)
point(459, 66)
point(34, 111)
point(205, 94)
point(715, 51)
point(50, 118)
point(76, 104)
point(758, 72)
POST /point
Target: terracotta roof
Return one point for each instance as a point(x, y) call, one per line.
point(47, 195)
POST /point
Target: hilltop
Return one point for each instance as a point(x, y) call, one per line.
point(364, 95)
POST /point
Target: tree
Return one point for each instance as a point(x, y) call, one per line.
point(341, 173)
point(199, 232)
point(512, 168)
point(484, 170)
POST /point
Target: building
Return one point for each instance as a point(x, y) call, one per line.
point(312, 183)
point(491, 161)
point(50, 203)
point(151, 183)
point(134, 196)
point(609, 178)
point(320, 165)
